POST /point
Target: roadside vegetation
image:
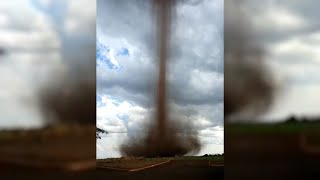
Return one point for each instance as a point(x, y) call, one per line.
point(128, 162)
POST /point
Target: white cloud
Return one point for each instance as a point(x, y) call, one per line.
point(110, 111)
point(298, 100)
point(211, 149)
point(3, 20)
point(300, 47)
point(283, 18)
point(119, 119)
point(107, 147)
point(35, 40)
point(17, 101)
point(273, 16)
point(112, 58)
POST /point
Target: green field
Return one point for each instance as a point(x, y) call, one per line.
point(219, 158)
point(309, 130)
point(287, 127)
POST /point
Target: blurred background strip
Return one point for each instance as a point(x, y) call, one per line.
point(272, 85)
point(48, 88)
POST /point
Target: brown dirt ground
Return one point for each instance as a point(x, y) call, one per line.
point(268, 156)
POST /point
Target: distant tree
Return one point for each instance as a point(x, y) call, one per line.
point(292, 119)
point(98, 131)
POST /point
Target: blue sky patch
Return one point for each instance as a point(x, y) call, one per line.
point(102, 55)
point(123, 52)
point(99, 101)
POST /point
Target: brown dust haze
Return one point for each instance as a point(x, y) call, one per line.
point(164, 137)
point(249, 87)
point(71, 98)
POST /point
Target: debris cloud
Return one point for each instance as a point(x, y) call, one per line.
point(164, 136)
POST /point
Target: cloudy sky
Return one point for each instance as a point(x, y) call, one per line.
point(290, 32)
point(126, 70)
point(38, 38)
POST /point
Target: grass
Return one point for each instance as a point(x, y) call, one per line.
point(313, 139)
point(254, 128)
point(212, 158)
